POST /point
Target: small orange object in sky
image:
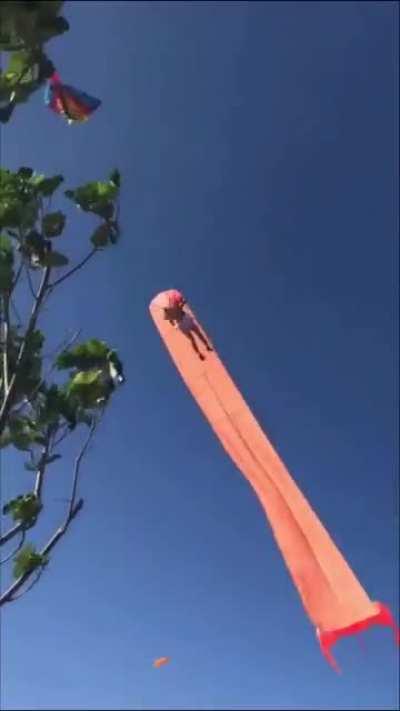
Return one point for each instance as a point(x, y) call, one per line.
point(160, 662)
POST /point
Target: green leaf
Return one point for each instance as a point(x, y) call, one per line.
point(115, 231)
point(24, 509)
point(6, 248)
point(17, 63)
point(115, 364)
point(18, 204)
point(35, 341)
point(89, 388)
point(5, 438)
point(25, 173)
point(27, 560)
point(105, 234)
point(6, 263)
point(54, 259)
point(33, 243)
point(53, 458)
point(96, 197)
point(23, 433)
point(85, 356)
point(100, 237)
point(115, 178)
point(14, 212)
point(86, 378)
point(53, 224)
point(99, 371)
point(30, 467)
point(47, 186)
point(53, 404)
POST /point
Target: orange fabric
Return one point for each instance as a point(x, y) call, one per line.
point(160, 662)
point(332, 596)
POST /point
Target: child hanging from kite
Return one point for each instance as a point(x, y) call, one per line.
point(185, 323)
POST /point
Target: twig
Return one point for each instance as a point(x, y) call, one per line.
point(42, 468)
point(14, 308)
point(66, 343)
point(73, 510)
point(15, 551)
point(72, 271)
point(12, 532)
point(78, 462)
point(5, 341)
point(16, 280)
point(29, 280)
point(63, 346)
point(31, 327)
point(39, 573)
point(62, 437)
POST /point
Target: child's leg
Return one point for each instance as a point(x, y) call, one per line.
point(202, 337)
point(194, 344)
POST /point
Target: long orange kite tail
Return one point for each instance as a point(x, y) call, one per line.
point(333, 598)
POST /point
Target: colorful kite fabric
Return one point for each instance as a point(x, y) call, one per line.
point(70, 103)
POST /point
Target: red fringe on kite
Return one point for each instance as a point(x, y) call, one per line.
point(329, 638)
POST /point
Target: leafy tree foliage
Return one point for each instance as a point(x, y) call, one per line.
point(39, 409)
point(25, 29)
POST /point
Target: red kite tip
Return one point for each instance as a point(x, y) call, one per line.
point(328, 638)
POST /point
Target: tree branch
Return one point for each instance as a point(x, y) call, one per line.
point(16, 280)
point(73, 509)
point(39, 573)
point(29, 280)
point(5, 328)
point(12, 532)
point(77, 466)
point(16, 314)
point(75, 269)
point(65, 344)
point(5, 407)
point(42, 468)
point(15, 551)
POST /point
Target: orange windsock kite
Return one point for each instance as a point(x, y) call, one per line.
point(333, 598)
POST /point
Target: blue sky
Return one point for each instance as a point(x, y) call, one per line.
point(258, 144)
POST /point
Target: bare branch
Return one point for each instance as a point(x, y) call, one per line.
point(15, 551)
point(5, 328)
point(29, 280)
point(74, 270)
point(9, 595)
point(67, 343)
point(73, 509)
point(16, 280)
point(42, 468)
point(16, 314)
point(35, 580)
point(78, 462)
point(11, 533)
point(62, 437)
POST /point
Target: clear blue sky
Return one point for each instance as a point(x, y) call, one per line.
point(258, 144)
